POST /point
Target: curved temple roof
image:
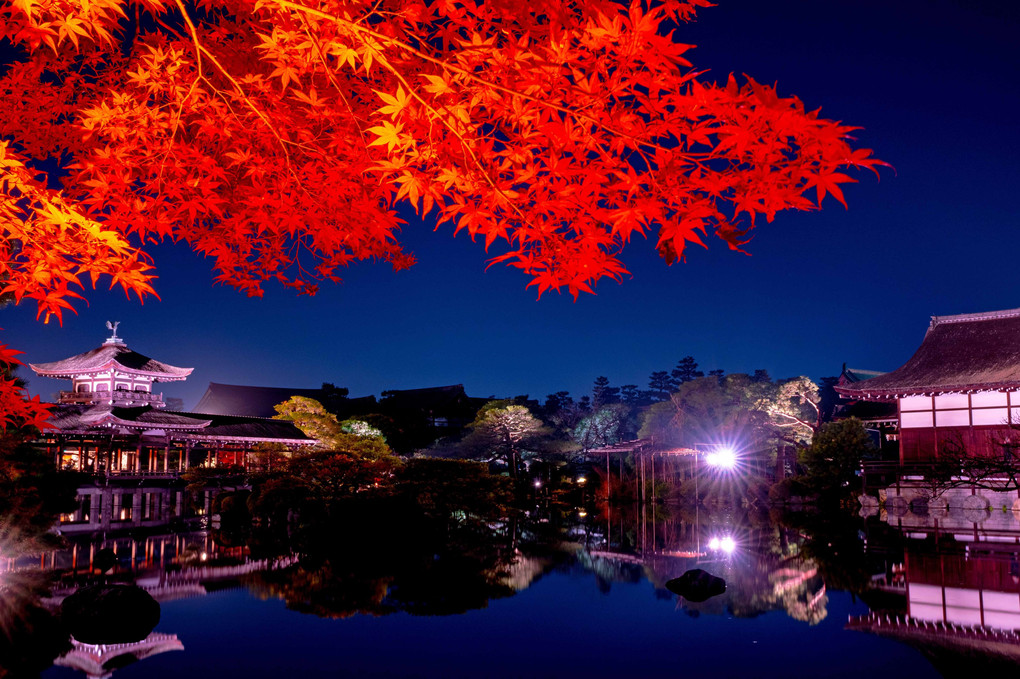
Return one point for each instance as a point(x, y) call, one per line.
point(196, 426)
point(112, 355)
point(84, 417)
point(964, 353)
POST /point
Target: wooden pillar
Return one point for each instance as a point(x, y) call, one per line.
point(609, 524)
point(138, 456)
point(608, 477)
point(644, 481)
point(644, 527)
point(653, 533)
point(652, 462)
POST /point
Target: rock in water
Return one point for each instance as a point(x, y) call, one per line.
point(105, 560)
point(697, 585)
point(110, 614)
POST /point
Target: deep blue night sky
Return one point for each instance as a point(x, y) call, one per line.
point(932, 82)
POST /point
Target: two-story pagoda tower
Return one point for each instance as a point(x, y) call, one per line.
point(112, 374)
point(112, 423)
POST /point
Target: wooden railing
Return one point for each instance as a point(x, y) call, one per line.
point(118, 397)
point(881, 621)
point(144, 473)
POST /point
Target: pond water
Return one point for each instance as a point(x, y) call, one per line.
point(545, 593)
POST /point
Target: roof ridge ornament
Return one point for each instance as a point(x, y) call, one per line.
point(113, 339)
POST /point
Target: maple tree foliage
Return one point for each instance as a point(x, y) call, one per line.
point(279, 138)
point(16, 409)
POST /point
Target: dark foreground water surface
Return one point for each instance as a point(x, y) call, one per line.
point(545, 593)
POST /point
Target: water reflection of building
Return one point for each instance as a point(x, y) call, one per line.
point(169, 566)
point(961, 597)
point(113, 423)
point(98, 661)
point(120, 505)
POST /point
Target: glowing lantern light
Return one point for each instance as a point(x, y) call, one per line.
point(724, 458)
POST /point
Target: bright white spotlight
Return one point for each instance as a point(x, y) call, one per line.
point(724, 544)
point(724, 458)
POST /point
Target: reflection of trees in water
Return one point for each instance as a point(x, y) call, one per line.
point(758, 583)
point(800, 591)
point(412, 564)
point(323, 590)
point(768, 570)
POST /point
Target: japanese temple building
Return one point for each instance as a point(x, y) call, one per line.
point(959, 392)
point(113, 422)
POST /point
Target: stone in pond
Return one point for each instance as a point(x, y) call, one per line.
point(104, 560)
point(110, 614)
point(697, 585)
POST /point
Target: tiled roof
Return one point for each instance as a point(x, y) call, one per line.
point(80, 418)
point(250, 401)
point(250, 428)
point(76, 417)
point(111, 355)
point(968, 352)
point(437, 400)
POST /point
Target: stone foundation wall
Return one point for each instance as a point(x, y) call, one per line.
point(914, 504)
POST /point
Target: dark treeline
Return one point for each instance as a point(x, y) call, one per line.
point(545, 447)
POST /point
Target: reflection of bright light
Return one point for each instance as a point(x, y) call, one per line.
point(582, 480)
point(582, 513)
point(724, 458)
point(203, 556)
point(723, 544)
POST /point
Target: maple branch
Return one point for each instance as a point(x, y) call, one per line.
point(463, 142)
point(466, 73)
point(244, 97)
point(191, 90)
point(336, 85)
